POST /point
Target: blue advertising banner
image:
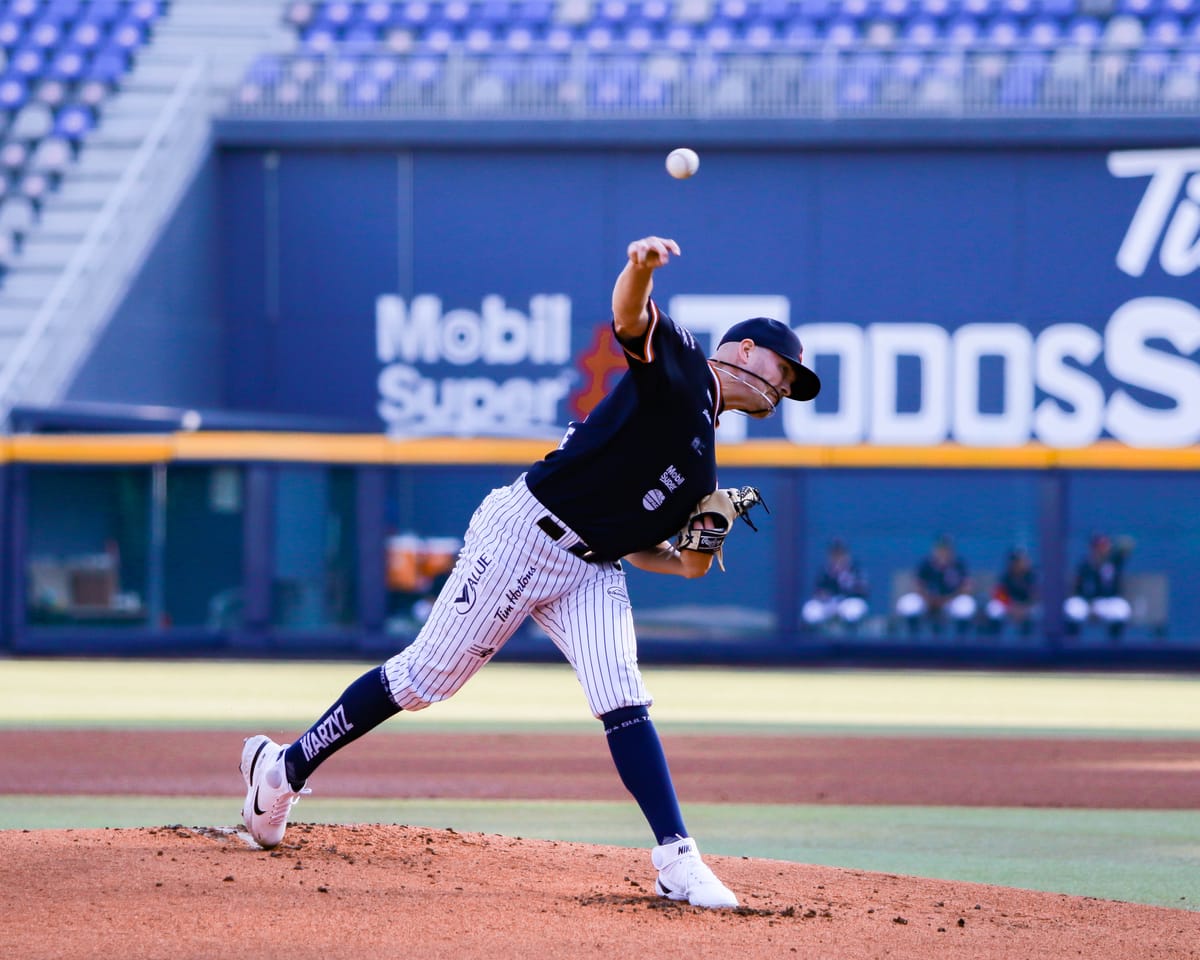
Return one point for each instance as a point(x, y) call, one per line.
point(984, 297)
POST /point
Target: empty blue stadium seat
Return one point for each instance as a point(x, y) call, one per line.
point(761, 36)
point(559, 38)
point(800, 35)
point(415, 11)
point(52, 157)
point(656, 11)
point(300, 14)
point(963, 31)
point(86, 34)
point(643, 28)
point(1021, 84)
point(129, 34)
point(337, 13)
point(536, 12)
point(14, 91)
point(1059, 8)
point(859, 82)
point(718, 36)
point(109, 65)
point(147, 11)
point(12, 30)
point(496, 12)
point(640, 36)
point(359, 39)
point(777, 10)
point(1085, 30)
point(841, 32)
point(102, 11)
point(680, 37)
point(27, 61)
point(735, 11)
point(63, 9)
point(318, 38)
point(51, 92)
point(816, 9)
point(46, 33)
point(68, 64)
point(922, 31)
point(13, 156)
point(1044, 32)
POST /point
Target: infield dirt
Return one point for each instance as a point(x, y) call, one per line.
point(369, 891)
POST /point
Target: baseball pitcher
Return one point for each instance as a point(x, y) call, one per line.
point(636, 482)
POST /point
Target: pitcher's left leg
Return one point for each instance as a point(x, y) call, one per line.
point(593, 626)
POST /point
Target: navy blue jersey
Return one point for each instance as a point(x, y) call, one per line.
point(942, 581)
point(627, 477)
point(1100, 577)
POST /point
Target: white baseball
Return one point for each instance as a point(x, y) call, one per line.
point(682, 162)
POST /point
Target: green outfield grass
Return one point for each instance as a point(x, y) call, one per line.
point(1142, 856)
point(232, 695)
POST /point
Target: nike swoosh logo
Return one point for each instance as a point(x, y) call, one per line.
point(257, 812)
point(254, 762)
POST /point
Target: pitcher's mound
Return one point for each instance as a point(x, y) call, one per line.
point(368, 891)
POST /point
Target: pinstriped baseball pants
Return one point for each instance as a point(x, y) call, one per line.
point(510, 569)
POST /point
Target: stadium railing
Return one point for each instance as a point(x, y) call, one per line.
point(826, 83)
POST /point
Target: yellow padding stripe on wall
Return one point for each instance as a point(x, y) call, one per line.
point(381, 450)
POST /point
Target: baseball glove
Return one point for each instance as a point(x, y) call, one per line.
point(721, 507)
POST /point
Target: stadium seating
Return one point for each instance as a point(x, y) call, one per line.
point(60, 61)
point(846, 56)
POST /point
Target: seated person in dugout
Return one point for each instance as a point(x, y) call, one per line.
point(943, 591)
point(1096, 593)
point(1014, 597)
point(841, 593)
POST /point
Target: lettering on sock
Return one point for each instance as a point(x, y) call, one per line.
point(327, 732)
point(631, 722)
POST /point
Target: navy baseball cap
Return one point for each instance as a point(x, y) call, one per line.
point(781, 339)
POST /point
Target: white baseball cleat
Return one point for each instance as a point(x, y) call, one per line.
point(269, 796)
point(682, 875)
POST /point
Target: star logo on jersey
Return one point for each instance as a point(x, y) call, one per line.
point(601, 365)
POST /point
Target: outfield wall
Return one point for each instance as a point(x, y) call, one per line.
point(1005, 318)
point(333, 545)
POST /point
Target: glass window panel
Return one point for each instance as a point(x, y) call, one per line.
point(89, 537)
point(1155, 515)
point(202, 564)
point(316, 570)
point(889, 521)
point(422, 543)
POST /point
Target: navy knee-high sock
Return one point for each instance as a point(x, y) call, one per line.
point(638, 755)
point(363, 706)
